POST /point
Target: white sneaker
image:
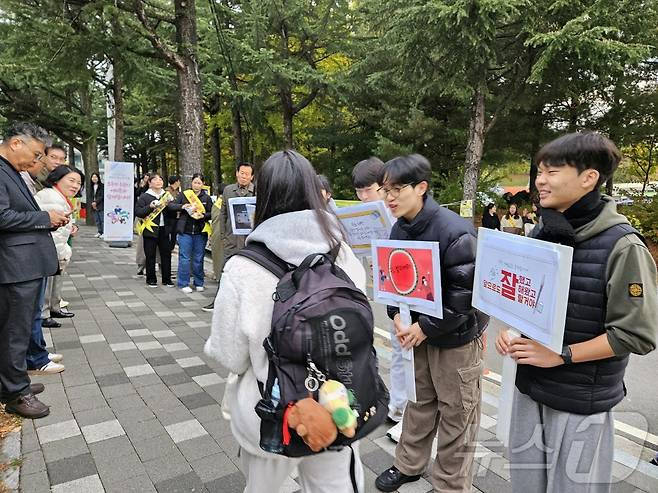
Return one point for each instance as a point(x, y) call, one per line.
point(97, 235)
point(63, 304)
point(102, 237)
point(395, 414)
point(55, 357)
point(187, 290)
point(200, 289)
point(395, 432)
point(48, 369)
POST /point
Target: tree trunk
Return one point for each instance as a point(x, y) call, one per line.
point(190, 120)
point(71, 159)
point(537, 126)
point(89, 145)
point(475, 144)
point(90, 162)
point(164, 167)
point(287, 113)
point(117, 94)
point(236, 123)
point(647, 173)
point(216, 149)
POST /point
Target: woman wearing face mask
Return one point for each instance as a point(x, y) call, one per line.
point(151, 205)
point(195, 207)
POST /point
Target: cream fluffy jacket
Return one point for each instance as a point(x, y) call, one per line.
point(243, 313)
point(50, 199)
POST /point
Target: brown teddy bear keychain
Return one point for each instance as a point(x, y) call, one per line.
point(312, 422)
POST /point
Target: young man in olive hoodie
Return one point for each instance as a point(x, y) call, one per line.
point(562, 432)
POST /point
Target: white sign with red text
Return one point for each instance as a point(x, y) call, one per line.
point(523, 282)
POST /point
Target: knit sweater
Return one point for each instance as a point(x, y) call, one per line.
point(243, 313)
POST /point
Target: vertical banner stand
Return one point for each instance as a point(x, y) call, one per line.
point(506, 399)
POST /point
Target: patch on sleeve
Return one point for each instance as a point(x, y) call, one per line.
point(635, 290)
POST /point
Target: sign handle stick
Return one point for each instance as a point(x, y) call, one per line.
point(408, 355)
point(506, 398)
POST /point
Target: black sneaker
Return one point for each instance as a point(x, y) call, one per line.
point(140, 272)
point(152, 284)
point(169, 284)
point(50, 323)
point(209, 308)
point(392, 479)
point(654, 461)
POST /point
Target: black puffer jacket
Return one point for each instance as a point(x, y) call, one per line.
point(143, 209)
point(186, 223)
point(457, 242)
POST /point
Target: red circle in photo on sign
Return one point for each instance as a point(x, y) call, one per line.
point(402, 271)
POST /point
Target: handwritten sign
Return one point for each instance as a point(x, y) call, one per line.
point(242, 211)
point(364, 223)
point(118, 200)
point(525, 283)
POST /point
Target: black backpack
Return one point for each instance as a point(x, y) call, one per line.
point(322, 328)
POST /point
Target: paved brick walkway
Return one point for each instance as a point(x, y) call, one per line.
point(137, 408)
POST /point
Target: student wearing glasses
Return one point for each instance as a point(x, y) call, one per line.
point(447, 351)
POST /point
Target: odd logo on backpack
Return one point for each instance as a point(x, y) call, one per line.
point(341, 340)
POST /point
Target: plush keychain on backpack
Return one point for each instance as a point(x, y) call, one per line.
point(335, 398)
point(312, 422)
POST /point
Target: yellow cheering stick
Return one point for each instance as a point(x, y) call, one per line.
point(199, 209)
point(147, 222)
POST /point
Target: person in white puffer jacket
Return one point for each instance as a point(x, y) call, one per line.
point(64, 186)
point(293, 222)
point(64, 183)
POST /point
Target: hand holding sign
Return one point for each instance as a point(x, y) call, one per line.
point(409, 336)
point(526, 351)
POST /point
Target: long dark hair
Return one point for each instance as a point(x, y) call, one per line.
point(508, 216)
point(97, 176)
point(287, 183)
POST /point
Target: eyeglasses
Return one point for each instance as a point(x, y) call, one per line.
point(394, 191)
point(38, 156)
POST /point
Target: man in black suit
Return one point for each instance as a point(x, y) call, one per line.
point(27, 255)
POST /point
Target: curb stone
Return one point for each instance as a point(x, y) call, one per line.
point(11, 451)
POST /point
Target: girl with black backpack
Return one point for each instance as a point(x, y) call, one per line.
point(293, 222)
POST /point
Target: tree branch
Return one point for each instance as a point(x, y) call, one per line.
point(296, 108)
point(158, 44)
